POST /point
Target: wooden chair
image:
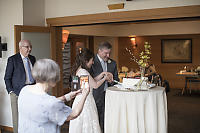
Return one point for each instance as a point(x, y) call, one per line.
point(156, 79)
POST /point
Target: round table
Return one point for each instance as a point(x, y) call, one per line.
point(135, 111)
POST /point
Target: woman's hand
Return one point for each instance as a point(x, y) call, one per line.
point(69, 96)
point(74, 93)
point(109, 77)
point(103, 74)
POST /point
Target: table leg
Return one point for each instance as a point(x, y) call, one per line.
point(185, 88)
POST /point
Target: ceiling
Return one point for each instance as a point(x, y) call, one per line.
point(129, 23)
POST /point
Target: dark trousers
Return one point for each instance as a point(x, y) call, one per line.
point(101, 110)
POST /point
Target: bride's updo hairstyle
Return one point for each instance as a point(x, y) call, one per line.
point(82, 58)
point(46, 71)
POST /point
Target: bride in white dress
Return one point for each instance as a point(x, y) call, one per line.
point(87, 121)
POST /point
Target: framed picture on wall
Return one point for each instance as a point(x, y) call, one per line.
point(176, 50)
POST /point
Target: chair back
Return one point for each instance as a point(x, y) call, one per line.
point(155, 79)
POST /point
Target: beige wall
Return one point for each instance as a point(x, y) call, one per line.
point(14, 12)
point(167, 70)
point(140, 29)
point(94, 30)
point(79, 7)
point(33, 12)
point(11, 13)
point(161, 28)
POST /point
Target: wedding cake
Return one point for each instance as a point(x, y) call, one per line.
point(137, 84)
point(129, 82)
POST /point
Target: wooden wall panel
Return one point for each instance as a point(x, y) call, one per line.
point(77, 41)
point(167, 70)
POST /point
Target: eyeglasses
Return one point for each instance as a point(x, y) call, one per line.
point(27, 47)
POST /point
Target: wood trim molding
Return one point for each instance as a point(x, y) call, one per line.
point(5, 128)
point(134, 15)
point(56, 50)
point(54, 36)
point(25, 28)
point(22, 28)
point(17, 38)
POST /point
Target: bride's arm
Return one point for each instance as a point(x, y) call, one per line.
point(100, 76)
point(108, 74)
point(98, 81)
point(79, 107)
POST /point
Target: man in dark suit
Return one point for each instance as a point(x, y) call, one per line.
point(102, 62)
point(17, 75)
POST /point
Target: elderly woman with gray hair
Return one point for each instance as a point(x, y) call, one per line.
point(38, 111)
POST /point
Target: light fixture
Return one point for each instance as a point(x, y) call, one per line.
point(116, 6)
point(133, 42)
point(65, 34)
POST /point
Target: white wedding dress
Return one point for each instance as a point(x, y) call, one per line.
point(87, 121)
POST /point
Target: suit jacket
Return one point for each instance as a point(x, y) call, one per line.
point(15, 75)
point(96, 69)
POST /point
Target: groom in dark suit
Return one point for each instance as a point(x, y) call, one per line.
point(102, 62)
point(17, 75)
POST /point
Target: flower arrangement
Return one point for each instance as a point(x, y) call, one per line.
point(142, 62)
point(144, 55)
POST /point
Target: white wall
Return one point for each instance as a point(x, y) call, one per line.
point(61, 8)
point(33, 12)
point(11, 13)
point(14, 12)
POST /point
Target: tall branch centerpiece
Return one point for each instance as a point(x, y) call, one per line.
point(144, 58)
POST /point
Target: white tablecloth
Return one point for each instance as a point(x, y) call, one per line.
point(136, 111)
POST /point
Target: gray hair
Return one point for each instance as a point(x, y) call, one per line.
point(22, 42)
point(46, 71)
point(105, 45)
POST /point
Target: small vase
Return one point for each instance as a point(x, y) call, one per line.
point(139, 84)
point(142, 71)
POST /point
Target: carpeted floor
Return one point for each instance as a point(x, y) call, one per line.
point(183, 113)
